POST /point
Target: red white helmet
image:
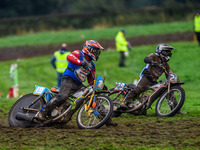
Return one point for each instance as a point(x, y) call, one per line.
point(92, 49)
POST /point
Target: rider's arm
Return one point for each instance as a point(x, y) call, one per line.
point(147, 60)
point(150, 59)
point(74, 57)
point(91, 76)
point(167, 70)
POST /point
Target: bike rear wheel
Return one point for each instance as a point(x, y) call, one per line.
point(170, 103)
point(100, 114)
point(24, 101)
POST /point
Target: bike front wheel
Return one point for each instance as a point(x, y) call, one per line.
point(97, 116)
point(170, 103)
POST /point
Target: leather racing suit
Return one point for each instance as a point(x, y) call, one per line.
point(155, 67)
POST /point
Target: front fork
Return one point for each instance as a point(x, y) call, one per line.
point(169, 87)
point(169, 97)
point(92, 103)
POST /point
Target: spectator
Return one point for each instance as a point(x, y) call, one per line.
point(197, 25)
point(122, 46)
point(59, 62)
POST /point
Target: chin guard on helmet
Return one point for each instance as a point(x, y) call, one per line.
point(92, 49)
point(164, 50)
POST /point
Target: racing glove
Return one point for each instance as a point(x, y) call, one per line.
point(84, 65)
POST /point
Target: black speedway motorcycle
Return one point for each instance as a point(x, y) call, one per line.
point(94, 108)
point(170, 95)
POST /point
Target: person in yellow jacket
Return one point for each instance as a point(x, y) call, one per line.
point(59, 62)
point(122, 46)
point(197, 26)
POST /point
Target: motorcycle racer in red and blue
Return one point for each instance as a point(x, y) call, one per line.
point(80, 66)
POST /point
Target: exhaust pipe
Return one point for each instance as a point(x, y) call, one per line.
point(23, 116)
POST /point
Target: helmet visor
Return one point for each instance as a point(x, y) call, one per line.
point(167, 53)
point(96, 52)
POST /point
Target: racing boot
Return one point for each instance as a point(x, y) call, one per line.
point(111, 123)
point(46, 109)
point(40, 116)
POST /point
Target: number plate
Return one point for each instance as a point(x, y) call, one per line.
point(119, 86)
point(39, 90)
point(99, 83)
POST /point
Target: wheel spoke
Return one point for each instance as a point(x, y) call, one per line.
point(169, 102)
point(101, 112)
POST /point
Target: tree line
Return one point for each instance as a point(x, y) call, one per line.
point(22, 8)
point(19, 16)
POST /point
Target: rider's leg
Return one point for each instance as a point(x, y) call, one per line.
point(142, 85)
point(68, 85)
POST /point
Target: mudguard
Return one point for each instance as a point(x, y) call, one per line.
point(155, 95)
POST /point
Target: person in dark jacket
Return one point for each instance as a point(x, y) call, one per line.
point(156, 65)
point(59, 62)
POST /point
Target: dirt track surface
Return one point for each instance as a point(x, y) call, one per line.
point(10, 53)
point(140, 131)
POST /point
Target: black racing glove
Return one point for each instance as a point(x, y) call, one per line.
point(84, 65)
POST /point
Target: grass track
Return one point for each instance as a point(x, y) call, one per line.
point(55, 37)
point(185, 63)
point(136, 132)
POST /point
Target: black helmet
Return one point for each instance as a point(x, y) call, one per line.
point(164, 50)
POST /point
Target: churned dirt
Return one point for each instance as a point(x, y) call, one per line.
point(134, 131)
point(9, 53)
point(149, 131)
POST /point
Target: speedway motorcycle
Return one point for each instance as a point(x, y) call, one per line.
point(94, 108)
point(170, 95)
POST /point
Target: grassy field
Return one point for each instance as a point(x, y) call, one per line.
point(54, 37)
point(135, 132)
point(38, 71)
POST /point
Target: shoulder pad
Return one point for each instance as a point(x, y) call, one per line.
point(76, 52)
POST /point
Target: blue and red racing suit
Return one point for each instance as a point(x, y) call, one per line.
point(76, 71)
